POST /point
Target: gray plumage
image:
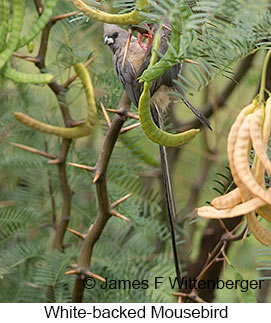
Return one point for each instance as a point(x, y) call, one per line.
point(137, 61)
point(115, 37)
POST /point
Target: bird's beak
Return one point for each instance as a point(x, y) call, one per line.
point(108, 40)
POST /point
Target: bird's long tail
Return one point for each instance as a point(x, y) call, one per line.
point(170, 201)
point(198, 114)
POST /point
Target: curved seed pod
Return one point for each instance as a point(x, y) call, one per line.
point(169, 59)
point(83, 74)
point(20, 77)
point(132, 18)
point(259, 232)
point(68, 133)
point(80, 131)
point(256, 137)
point(151, 130)
point(4, 9)
point(17, 22)
point(265, 212)
point(241, 164)
point(267, 121)
point(240, 209)
point(39, 24)
point(259, 173)
point(259, 169)
point(228, 200)
point(234, 197)
point(231, 146)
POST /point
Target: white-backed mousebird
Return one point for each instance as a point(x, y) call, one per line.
point(137, 61)
point(129, 65)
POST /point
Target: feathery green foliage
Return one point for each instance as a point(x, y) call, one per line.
point(215, 34)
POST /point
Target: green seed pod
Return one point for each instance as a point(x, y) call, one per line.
point(83, 74)
point(79, 131)
point(20, 77)
point(39, 24)
point(17, 22)
point(68, 133)
point(4, 22)
point(151, 130)
point(132, 18)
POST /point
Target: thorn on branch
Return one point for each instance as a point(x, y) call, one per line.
point(245, 235)
point(127, 46)
point(72, 272)
point(85, 167)
point(64, 16)
point(26, 58)
point(124, 113)
point(33, 150)
point(192, 296)
point(76, 233)
point(133, 126)
point(118, 202)
point(106, 116)
point(118, 215)
point(85, 274)
point(96, 177)
point(95, 276)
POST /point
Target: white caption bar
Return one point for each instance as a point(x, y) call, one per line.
point(161, 312)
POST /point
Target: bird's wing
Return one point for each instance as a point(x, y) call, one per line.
point(170, 75)
point(127, 74)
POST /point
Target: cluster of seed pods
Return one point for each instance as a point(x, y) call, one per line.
point(10, 41)
point(81, 130)
point(251, 128)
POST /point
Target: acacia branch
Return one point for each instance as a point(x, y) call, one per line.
point(66, 196)
point(105, 207)
point(60, 93)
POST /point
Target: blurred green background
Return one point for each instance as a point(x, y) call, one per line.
point(141, 248)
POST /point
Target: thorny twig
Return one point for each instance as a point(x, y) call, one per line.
point(60, 93)
point(105, 207)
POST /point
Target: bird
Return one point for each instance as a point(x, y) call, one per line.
point(137, 61)
point(129, 65)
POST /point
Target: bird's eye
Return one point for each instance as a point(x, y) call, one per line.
point(115, 35)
